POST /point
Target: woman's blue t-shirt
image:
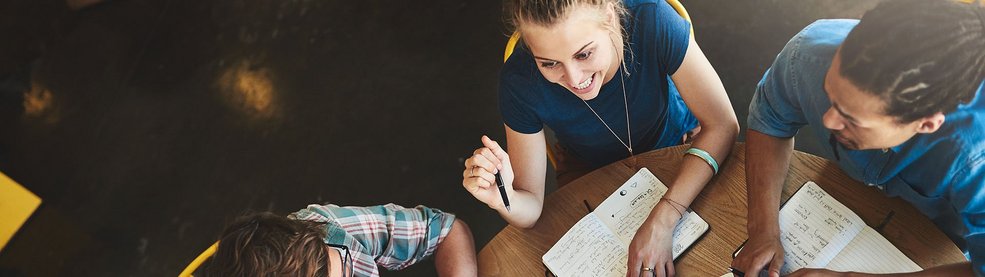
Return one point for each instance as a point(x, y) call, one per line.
point(657, 38)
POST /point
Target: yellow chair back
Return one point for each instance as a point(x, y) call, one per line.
point(199, 260)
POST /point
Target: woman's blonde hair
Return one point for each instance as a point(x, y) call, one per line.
point(547, 13)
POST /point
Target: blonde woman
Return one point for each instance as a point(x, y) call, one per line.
point(612, 79)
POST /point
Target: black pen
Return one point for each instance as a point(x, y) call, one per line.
point(736, 273)
point(502, 191)
point(885, 221)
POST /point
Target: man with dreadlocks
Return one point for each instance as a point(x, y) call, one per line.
point(898, 95)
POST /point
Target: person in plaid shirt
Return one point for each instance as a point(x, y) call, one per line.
point(329, 240)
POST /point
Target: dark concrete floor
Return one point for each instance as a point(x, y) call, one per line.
point(150, 123)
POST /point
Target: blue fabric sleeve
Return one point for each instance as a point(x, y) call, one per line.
point(969, 198)
point(774, 109)
point(518, 114)
point(672, 36)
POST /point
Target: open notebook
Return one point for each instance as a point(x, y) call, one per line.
point(817, 231)
point(598, 245)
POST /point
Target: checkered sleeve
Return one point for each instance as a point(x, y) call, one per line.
point(394, 236)
point(414, 234)
point(388, 235)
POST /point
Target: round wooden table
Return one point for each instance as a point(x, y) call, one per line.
point(722, 203)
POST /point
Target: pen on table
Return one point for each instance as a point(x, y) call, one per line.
point(885, 221)
point(502, 191)
point(737, 273)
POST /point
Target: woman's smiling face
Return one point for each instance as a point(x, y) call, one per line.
point(579, 52)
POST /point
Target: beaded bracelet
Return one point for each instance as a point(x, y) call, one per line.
point(704, 156)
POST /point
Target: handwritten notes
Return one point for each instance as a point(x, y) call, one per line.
point(688, 230)
point(625, 209)
point(817, 231)
point(814, 227)
point(570, 256)
point(598, 245)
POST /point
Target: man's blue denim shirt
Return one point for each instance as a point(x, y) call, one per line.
point(942, 173)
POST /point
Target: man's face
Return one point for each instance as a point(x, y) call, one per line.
point(857, 119)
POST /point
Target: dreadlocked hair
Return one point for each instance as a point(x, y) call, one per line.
point(920, 56)
point(265, 244)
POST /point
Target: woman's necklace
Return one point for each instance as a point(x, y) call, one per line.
point(629, 134)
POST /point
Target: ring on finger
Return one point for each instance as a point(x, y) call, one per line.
point(650, 269)
point(472, 171)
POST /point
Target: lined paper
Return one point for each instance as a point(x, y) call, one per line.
point(598, 245)
point(817, 231)
point(870, 252)
point(588, 249)
point(814, 227)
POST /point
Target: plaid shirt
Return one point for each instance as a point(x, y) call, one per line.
point(389, 235)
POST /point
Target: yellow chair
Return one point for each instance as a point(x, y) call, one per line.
point(199, 260)
point(515, 37)
point(681, 11)
point(16, 206)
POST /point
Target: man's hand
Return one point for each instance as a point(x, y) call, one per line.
point(761, 252)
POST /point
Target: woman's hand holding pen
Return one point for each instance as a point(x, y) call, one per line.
point(479, 175)
point(650, 252)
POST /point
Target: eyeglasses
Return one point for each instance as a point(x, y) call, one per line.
point(346, 259)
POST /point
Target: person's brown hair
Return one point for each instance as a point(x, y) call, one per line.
point(265, 244)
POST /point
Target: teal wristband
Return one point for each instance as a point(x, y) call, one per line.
point(704, 156)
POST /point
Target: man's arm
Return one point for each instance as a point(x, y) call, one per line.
point(455, 255)
point(767, 160)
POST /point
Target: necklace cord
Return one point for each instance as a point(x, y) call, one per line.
point(625, 99)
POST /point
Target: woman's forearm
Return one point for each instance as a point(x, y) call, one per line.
point(525, 208)
point(694, 172)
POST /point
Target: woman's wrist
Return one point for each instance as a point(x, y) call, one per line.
point(666, 214)
point(498, 204)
